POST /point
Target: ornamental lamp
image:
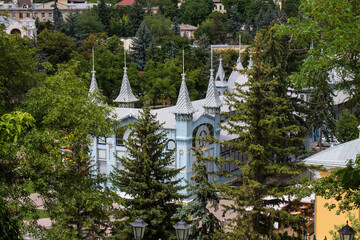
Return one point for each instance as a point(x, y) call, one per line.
point(347, 233)
point(182, 230)
point(139, 228)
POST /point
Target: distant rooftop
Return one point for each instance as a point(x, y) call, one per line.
point(126, 3)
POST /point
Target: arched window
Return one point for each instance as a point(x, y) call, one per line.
point(170, 145)
point(15, 31)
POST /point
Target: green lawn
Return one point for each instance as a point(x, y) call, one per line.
point(42, 214)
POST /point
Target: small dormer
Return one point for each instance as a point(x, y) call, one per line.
point(24, 3)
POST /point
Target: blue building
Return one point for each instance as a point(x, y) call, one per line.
point(186, 124)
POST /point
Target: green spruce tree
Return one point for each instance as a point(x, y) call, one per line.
point(141, 42)
point(234, 22)
point(58, 18)
point(176, 28)
point(103, 14)
point(136, 17)
point(271, 136)
point(203, 222)
point(147, 178)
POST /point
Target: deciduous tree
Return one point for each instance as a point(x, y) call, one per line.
point(58, 155)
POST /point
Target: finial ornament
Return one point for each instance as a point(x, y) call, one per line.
point(124, 58)
point(239, 44)
point(93, 59)
point(183, 59)
point(211, 58)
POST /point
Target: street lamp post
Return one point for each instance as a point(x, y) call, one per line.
point(139, 228)
point(182, 230)
point(347, 233)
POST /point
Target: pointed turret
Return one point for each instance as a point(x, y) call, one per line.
point(184, 108)
point(93, 85)
point(220, 75)
point(212, 101)
point(250, 63)
point(220, 79)
point(126, 98)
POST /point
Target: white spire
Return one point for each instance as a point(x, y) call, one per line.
point(212, 101)
point(93, 85)
point(239, 65)
point(220, 74)
point(126, 97)
point(184, 108)
point(250, 63)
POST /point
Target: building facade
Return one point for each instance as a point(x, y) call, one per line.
point(25, 27)
point(20, 9)
point(187, 125)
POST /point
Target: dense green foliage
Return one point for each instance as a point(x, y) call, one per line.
point(12, 127)
point(323, 22)
point(270, 136)
point(55, 46)
point(147, 178)
point(58, 157)
point(18, 66)
point(343, 186)
point(140, 44)
point(347, 127)
point(58, 18)
point(204, 196)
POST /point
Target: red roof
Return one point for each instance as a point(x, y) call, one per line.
point(126, 3)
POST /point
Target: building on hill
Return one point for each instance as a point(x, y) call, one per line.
point(125, 3)
point(219, 6)
point(24, 27)
point(187, 30)
point(152, 9)
point(186, 124)
point(20, 9)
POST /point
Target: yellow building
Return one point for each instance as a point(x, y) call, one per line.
point(332, 157)
point(219, 7)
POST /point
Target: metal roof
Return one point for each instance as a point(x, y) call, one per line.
point(336, 156)
point(220, 74)
point(212, 99)
point(126, 95)
point(93, 84)
point(183, 105)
